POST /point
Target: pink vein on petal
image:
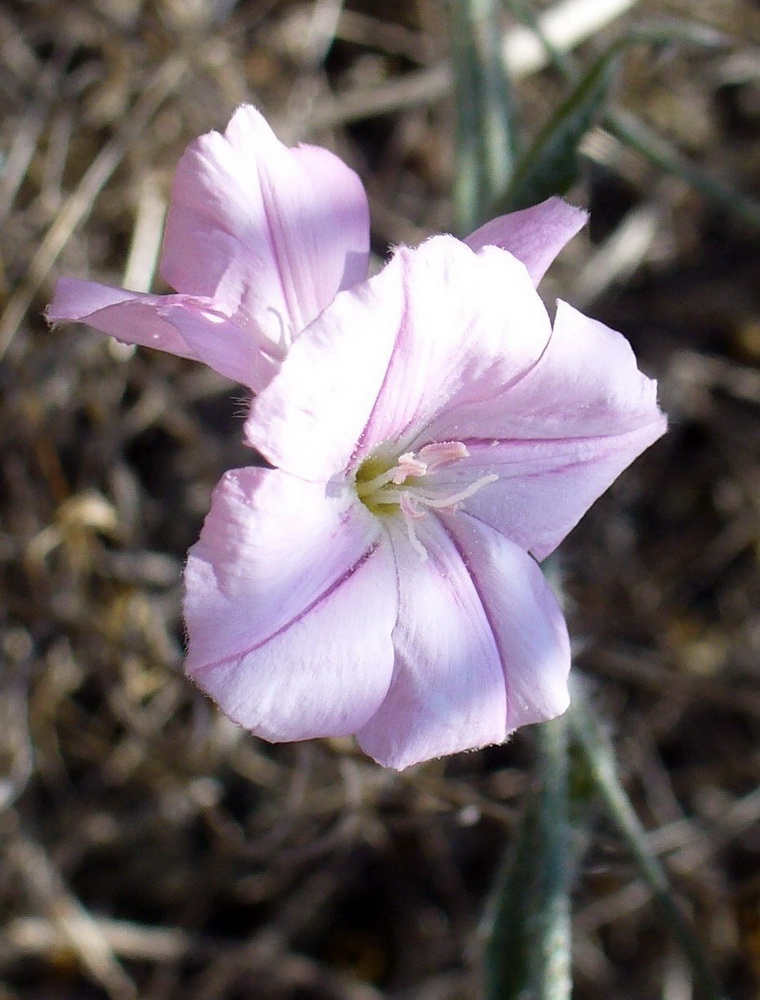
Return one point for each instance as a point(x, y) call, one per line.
point(472, 570)
point(268, 201)
point(206, 667)
point(361, 440)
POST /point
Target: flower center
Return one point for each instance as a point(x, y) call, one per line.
point(409, 486)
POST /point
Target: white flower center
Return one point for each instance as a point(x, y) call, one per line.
point(409, 486)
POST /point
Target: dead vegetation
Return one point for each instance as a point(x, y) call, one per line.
point(149, 848)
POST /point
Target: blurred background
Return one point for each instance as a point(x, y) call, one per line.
point(149, 848)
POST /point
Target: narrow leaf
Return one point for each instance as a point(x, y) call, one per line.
point(527, 954)
point(599, 756)
point(628, 129)
point(486, 140)
point(550, 166)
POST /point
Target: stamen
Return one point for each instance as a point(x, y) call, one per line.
point(408, 486)
point(408, 506)
point(451, 503)
point(442, 453)
point(417, 545)
point(393, 498)
point(375, 485)
point(408, 467)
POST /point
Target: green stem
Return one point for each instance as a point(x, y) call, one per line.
point(553, 979)
point(528, 950)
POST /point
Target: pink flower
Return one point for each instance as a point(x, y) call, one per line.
point(431, 437)
point(259, 240)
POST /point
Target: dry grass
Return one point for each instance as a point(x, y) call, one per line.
point(150, 848)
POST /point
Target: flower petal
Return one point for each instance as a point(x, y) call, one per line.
point(272, 233)
point(558, 438)
point(290, 603)
point(437, 329)
point(544, 487)
point(222, 344)
point(587, 383)
point(527, 622)
point(186, 325)
point(448, 690)
point(310, 418)
point(534, 235)
point(473, 326)
point(131, 317)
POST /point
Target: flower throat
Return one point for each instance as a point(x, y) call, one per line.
point(409, 486)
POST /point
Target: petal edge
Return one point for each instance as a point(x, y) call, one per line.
point(534, 235)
